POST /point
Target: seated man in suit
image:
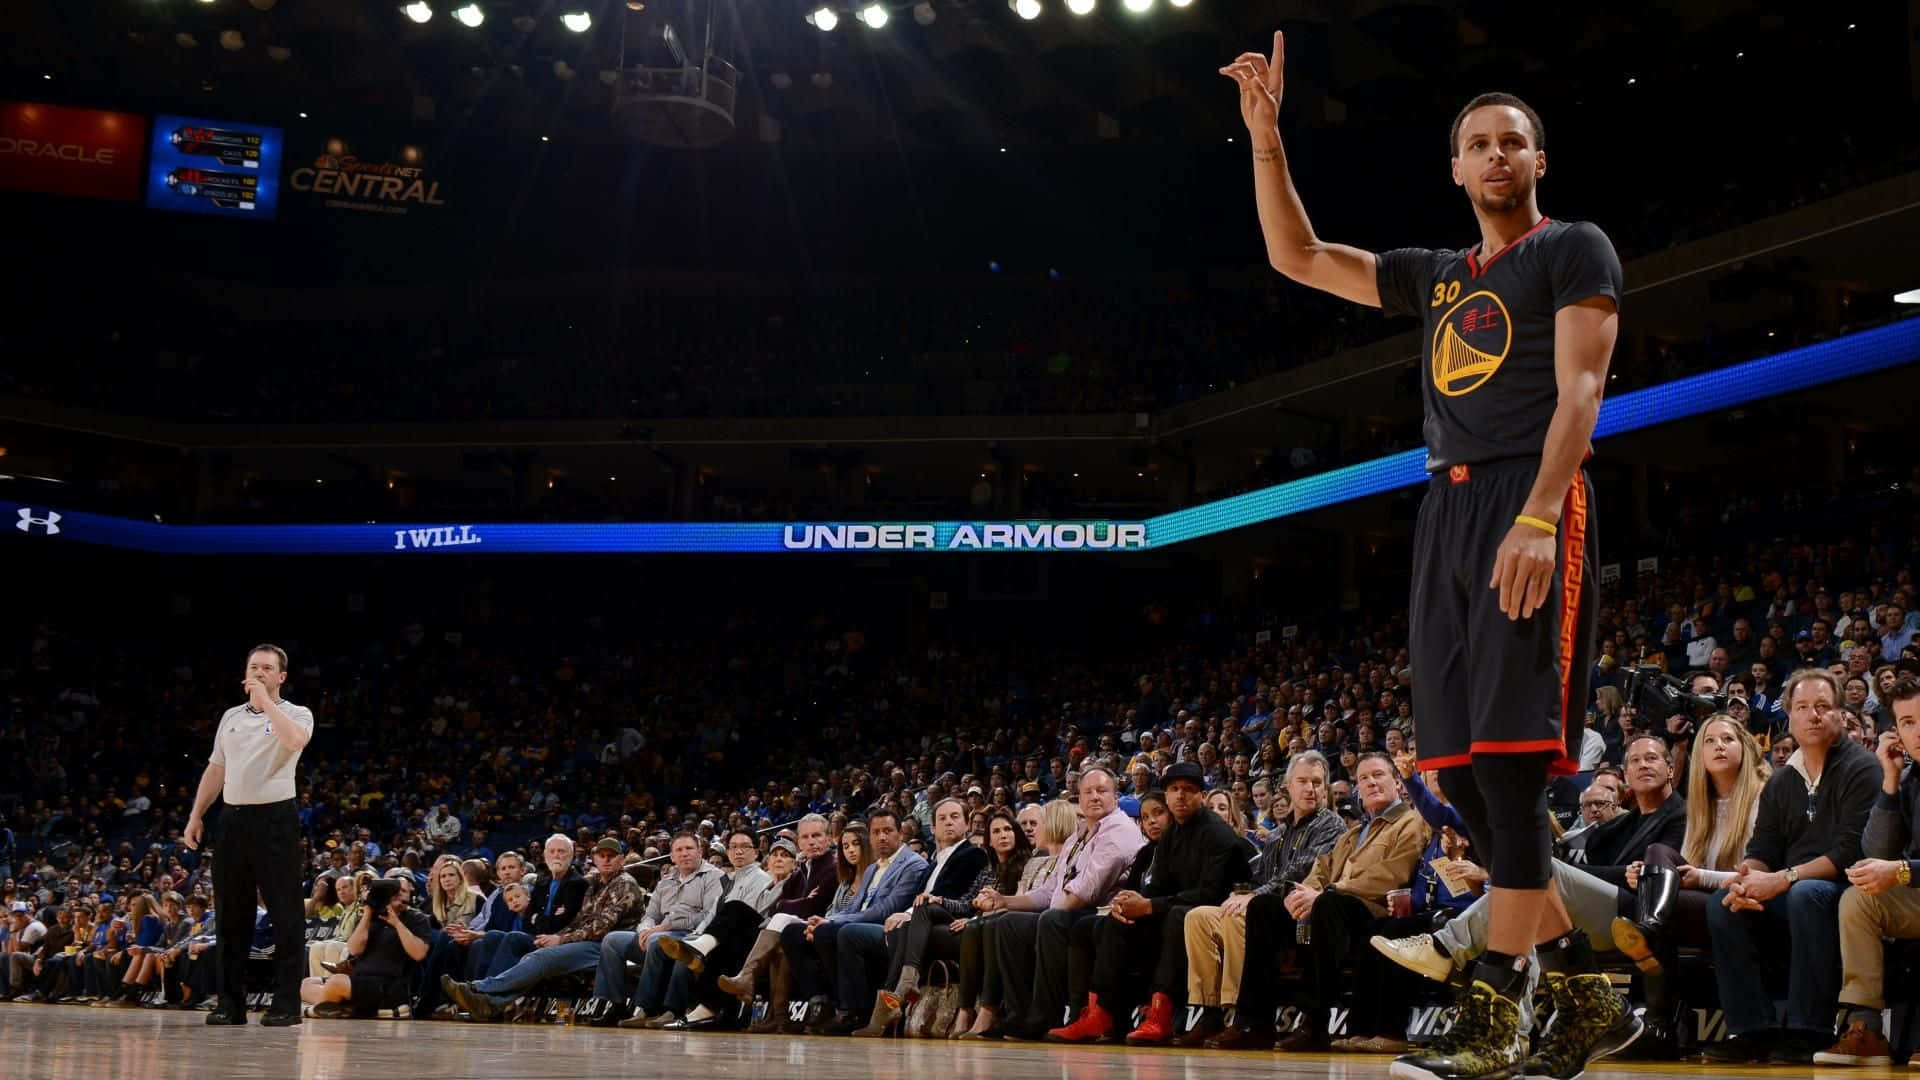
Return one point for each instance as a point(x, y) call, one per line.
point(554, 899)
point(813, 947)
point(1655, 814)
point(863, 947)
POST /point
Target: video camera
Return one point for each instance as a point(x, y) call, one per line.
point(1658, 696)
point(380, 894)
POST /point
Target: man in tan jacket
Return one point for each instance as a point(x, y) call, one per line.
point(1332, 913)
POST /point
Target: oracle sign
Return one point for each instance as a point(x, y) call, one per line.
point(64, 151)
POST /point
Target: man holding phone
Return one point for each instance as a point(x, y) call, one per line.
point(387, 944)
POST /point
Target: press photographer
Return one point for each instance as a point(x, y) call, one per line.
point(386, 947)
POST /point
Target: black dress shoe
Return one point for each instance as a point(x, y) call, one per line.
point(1798, 1047)
point(281, 1018)
point(224, 1017)
point(1738, 1049)
point(844, 1024)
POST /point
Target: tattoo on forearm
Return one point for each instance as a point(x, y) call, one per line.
point(1263, 154)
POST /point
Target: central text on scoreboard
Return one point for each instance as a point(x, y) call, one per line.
point(986, 536)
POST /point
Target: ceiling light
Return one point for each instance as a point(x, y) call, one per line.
point(1026, 9)
point(1911, 296)
point(47, 77)
point(874, 16)
point(924, 14)
point(1137, 6)
point(1181, 3)
point(303, 116)
point(543, 138)
point(280, 53)
point(232, 41)
point(824, 20)
point(576, 21)
point(1080, 7)
point(262, 5)
point(562, 70)
point(419, 11)
point(781, 80)
point(186, 40)
point(470, 16)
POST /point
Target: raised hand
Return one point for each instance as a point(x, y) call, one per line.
point(1261, 82)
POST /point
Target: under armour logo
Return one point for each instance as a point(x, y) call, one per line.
point(49, 525)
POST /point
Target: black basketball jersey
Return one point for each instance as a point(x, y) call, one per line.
point(1488, 381)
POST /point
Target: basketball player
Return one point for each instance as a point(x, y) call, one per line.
point(1518, 331)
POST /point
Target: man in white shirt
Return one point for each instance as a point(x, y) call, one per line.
point(256, 753)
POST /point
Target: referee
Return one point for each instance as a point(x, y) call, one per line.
point(255, 754)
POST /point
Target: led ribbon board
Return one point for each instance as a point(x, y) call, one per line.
point(1857, 354)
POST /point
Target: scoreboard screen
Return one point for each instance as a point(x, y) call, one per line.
point(214, 167)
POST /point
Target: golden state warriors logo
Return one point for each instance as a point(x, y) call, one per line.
point(1470, 343)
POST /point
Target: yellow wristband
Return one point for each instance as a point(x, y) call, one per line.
point(1547, 527)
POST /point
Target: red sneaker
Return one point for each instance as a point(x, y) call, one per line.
point(1157, 1028)
point(1094, 1023)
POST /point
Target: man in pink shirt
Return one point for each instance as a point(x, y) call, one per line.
point(1031, 942)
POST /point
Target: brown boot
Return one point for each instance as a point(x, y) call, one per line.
point(741, 985)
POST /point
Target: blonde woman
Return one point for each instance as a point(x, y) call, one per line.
point(981, 991)
point(1725, 774)
point(451, 901)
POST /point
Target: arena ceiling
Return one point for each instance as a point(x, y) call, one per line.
point(974, 76)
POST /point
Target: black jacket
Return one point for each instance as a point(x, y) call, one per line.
point(566, 903)
point(957, 876)
point(1197, 863)
point(1627, 837)
point(1785, 835)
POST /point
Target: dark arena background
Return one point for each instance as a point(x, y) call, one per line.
point(638, 419)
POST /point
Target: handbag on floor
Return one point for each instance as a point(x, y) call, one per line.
point(931, 1015)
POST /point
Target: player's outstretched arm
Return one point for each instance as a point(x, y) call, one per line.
point(1292, 247)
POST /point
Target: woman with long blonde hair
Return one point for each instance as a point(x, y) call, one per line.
point(1725, 773)
point(451, 901)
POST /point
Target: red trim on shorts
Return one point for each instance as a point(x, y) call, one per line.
point(1562, 765)
point(1423, 764)
point(1573, 547)
point(1474, 265)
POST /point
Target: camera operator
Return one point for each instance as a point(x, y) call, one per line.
point(1673, 706)
point(387, 946)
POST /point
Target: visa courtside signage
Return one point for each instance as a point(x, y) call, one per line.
point(1856, 354)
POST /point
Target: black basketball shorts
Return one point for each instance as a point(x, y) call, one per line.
point(1482, 683)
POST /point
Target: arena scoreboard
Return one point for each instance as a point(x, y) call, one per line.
point(217, 167)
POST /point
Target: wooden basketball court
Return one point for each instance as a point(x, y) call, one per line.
point(64, 1042)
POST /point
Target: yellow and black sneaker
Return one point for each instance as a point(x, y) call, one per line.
point(1485, 1042)
point(1589, 1022)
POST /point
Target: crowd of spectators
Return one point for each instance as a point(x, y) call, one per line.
point(453, 767)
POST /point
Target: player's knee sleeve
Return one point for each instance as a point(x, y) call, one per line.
point(1512, 789)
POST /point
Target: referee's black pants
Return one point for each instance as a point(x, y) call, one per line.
point(259, 850)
